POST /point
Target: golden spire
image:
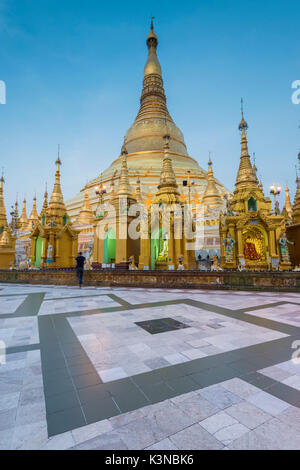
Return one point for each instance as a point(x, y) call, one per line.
point(45, 203)
point(23, 221)
point(288, 206)
point(138, 191)
point(167, 176)
point(211, 195)
point(124, 188)
point(246, 175)
point(153, 98)
point(34, 216)
point(57, 206)
point(167, 188)
point(152, 64)
point(3, 220)
point(153, 120)
point(296, 206)
point(248, 195)
point(86, 214)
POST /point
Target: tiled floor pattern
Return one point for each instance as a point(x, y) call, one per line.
point(80, 372)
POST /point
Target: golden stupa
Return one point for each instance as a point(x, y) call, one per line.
point(54, 239)
point(251, 234)
point(145, 145)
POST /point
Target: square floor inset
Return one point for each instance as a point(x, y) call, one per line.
point(161, 325)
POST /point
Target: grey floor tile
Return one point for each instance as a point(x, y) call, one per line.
point(104, 409)
point(7, 419)
point(65, 420)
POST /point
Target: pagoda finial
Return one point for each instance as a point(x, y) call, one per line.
point(243, 126)
point(58, 161)
point(246, 174)
point(152, 66)
point(152, 27)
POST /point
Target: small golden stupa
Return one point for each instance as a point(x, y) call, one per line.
point(54, 240)
point(23, 220)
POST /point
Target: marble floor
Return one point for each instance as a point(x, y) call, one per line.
point(129, 368)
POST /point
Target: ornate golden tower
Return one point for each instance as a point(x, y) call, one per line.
point(54, 240)
point(249, 231)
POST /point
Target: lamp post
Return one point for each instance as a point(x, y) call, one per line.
point(188, 183)
point(275, 190)
point(100, 191)
point(14, 219)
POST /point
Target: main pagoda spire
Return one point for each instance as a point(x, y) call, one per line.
point(153, 120)
point(153, 99)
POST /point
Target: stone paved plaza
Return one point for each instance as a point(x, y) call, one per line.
point(119, 368)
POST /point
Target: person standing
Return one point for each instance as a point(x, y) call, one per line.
point(80, 262)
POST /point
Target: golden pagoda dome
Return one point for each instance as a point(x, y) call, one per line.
point(144, 141)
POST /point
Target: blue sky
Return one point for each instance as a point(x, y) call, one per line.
point(74, 70)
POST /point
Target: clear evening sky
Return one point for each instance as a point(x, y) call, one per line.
point(73, 72)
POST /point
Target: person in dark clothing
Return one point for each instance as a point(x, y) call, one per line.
point(80, 262)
